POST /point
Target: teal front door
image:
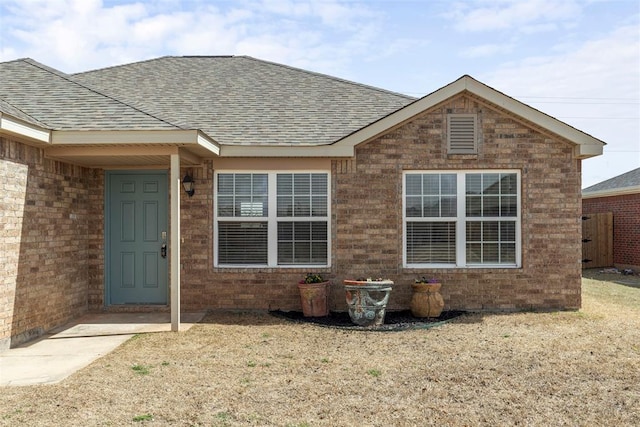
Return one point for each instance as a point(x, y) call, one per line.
point(136, 267)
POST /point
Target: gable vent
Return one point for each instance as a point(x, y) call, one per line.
point(462, 133)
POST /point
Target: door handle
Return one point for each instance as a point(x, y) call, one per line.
point(163, 248)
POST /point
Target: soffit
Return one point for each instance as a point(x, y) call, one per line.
point(124, 155)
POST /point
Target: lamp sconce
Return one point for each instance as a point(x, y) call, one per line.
point(187, 183)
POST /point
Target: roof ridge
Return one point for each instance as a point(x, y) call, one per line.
point(123, 65)
point(328, 76)
point(69, 78)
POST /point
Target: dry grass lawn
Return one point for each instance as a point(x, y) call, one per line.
point(568, 368)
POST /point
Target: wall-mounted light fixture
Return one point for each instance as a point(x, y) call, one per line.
point(187, 183)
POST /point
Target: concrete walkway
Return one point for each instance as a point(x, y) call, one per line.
point(69, 348)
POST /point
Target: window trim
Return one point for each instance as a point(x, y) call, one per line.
point(271, 219)
point(461, 219)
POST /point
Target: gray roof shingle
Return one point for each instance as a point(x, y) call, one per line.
point(42, 95)
point(7, 108)
point(628, 179)
point(242, 100)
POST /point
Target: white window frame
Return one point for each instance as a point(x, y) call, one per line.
point(272, 219)
point(461, 219)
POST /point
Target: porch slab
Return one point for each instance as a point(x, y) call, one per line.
point(67, 349)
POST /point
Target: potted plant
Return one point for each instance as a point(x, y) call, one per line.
point(426, 300)
point(314, 295)
point(367, 300)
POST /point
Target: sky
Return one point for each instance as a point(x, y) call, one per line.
point(576, 60)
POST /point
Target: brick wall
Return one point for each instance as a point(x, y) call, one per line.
point(367, 223)
point(43, 242)
point(626, 226)
point(52, 229)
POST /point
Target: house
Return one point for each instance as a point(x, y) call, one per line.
point(619, 196)
point(293, 171)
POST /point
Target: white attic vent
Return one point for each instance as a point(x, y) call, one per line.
point(462, 133)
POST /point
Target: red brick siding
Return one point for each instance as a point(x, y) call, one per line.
point(43, 242)
point(52, 229)
point(626, 226)
point(367, 223)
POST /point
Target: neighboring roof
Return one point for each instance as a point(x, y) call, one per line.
point(627, 183)
point(41, 95)
point(240, 100)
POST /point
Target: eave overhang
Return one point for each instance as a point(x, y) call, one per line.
point(96, 147)
point(14, 126)
point(623, 191)
point(126, 148)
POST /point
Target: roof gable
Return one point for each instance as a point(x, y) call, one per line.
point(586, 145)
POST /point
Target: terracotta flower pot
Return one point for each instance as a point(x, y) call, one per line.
point(314, 298)
point(426, 300)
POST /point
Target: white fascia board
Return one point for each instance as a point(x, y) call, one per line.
point(185, 138)
point(584, 151)
point(19, 127)
point(634, 189)
point(402, 115)
point(333, 150)
point(588, 146)
point(208, 144)
point(116, 137)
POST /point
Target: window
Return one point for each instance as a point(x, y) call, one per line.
point(461, 131)
point(272, 219)
point(462, 219)
point(431, 218)
point(242, 218)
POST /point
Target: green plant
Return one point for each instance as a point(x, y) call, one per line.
point(144, 417)
point(374, 372)
point(223, 416)
point(312, 278)
point(425, 280)
point(141, 369)
point(371, 279)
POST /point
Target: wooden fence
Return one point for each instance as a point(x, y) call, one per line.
point(597, 240)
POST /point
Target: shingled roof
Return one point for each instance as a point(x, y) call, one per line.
point(41, 95)
point(242, 100)
point(628, 182)
point(227, 106)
